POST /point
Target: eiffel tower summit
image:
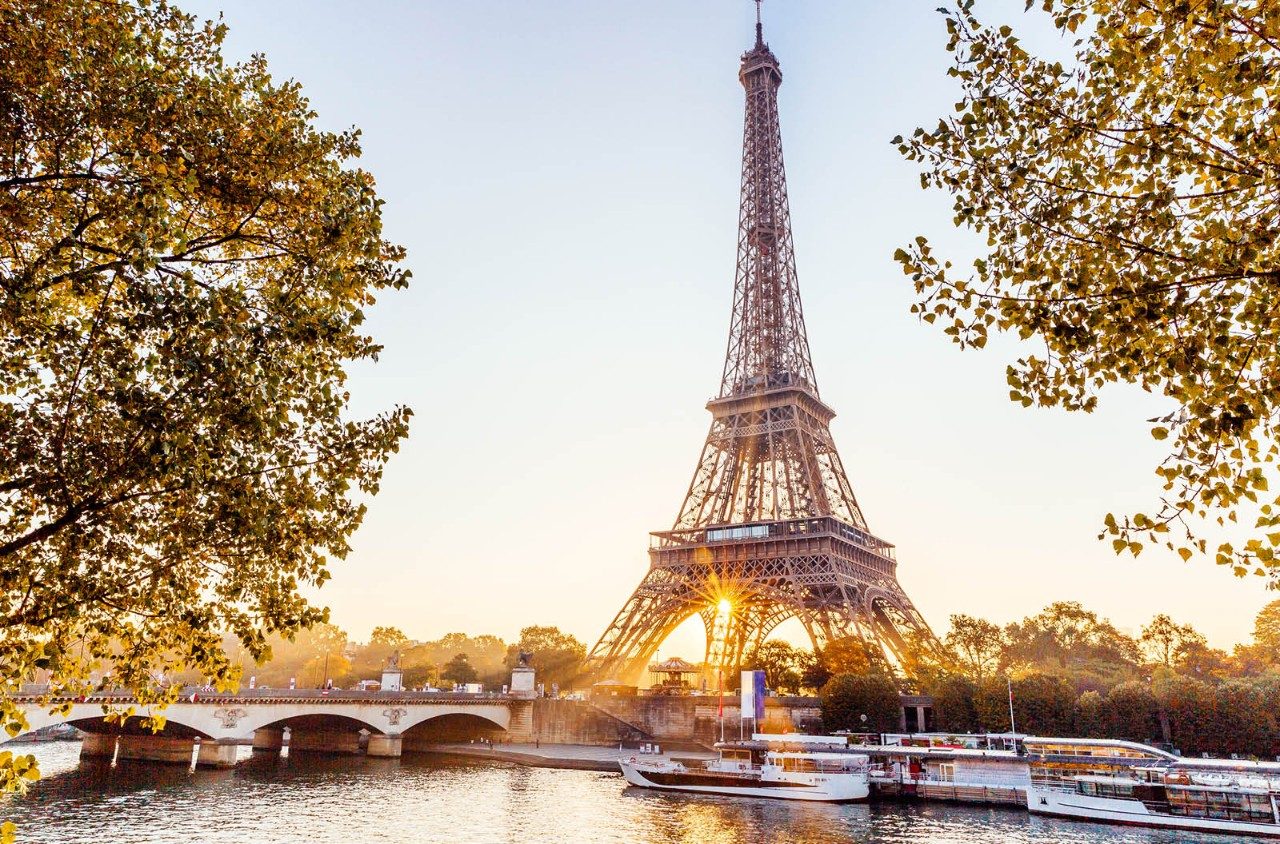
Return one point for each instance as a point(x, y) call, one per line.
point(770, 528)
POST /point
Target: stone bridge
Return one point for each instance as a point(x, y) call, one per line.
point(323, 722)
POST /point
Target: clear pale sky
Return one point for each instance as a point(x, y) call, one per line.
point(565, 177)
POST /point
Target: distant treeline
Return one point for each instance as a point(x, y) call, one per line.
point(324, 654)
point(1074, 674)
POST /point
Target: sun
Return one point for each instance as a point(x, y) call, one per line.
point(725, 606)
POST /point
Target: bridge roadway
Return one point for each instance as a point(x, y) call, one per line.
point(318, 721)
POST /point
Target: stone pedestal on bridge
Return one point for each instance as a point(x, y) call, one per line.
point(216, 754)
point(384, 746)
point(522, 682)
point(164, 749)
point(268, 740)
point(323, 741)
point(98, 745)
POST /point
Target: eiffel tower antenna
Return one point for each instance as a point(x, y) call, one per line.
point(769, 528)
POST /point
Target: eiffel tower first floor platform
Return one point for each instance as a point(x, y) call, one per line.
point(744, 580)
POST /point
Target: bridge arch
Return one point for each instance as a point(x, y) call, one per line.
point(230, 718)
point(312, 718)
point(90, 718)
point(453, 727)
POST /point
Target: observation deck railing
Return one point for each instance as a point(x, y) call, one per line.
point(783, 529)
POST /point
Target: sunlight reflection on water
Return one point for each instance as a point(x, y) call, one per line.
point(317, 800)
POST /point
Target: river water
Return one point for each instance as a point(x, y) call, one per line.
point(319, 800)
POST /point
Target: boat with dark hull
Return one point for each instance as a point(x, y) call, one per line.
point(747, 770)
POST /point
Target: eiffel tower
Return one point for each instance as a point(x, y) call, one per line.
point(770, 528)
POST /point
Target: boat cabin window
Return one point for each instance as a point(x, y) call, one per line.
point(1224, 805)
point(1087, 750)
point(791, 763)
point(1104, 789)
point(736, 755)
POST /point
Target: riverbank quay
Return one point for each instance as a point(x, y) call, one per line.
point(577, 757)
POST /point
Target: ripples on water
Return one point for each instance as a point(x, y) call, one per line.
point(319, 800)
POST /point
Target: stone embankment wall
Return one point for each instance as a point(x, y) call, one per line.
point(664, 718)
point(576, 722)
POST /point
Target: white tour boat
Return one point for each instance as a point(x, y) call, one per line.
point(1209, 795)
point(753, 769)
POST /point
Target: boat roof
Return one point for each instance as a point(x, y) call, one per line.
point(809, 754)
point(798, 738)
point(876, 750)
point(937, 751)
point(1088, 742)
point(1244, 765)
point(802, 750)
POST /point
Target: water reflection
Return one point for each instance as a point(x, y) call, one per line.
point(275, 799)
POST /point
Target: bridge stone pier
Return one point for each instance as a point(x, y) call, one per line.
point(155, 748)
point(385, 746)
point(210, 728)
point(269, 739)
point(98, 745)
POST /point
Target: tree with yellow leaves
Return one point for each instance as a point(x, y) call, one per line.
point(1129, 203)
point(184, 267)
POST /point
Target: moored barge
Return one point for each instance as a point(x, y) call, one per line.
point(1122, 782)
point(751, 769)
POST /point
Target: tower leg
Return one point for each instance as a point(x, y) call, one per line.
point(657, 607)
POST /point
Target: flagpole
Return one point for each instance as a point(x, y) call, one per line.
point(1013, 727)
point(720, 674)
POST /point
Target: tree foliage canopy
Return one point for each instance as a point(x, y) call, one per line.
point(556, 656)
point(846, 698)
point(388, 637)
point(459, 670)
point(184, 265)
point(782, 664)
point(1165, 641)
point(976, 643)
point(1129, 202)
point(1266, 627)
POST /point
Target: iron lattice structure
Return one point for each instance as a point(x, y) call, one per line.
point(770, 528)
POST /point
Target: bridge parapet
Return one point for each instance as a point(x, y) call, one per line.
point(232, 717)
point(278, 696)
